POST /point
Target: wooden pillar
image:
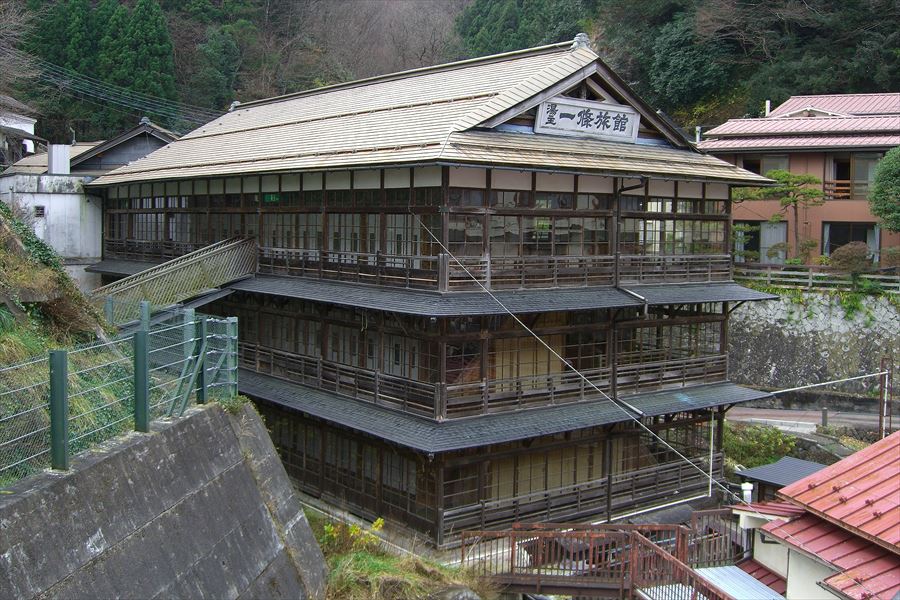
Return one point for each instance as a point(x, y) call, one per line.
point(438, 465)
point(607, 472)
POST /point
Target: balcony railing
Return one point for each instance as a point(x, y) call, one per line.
point(630, 490)
point(674, 268)
point(443, 273)
point(437, 400)
point(844, 189)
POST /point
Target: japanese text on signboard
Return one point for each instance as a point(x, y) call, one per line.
point(568, 116)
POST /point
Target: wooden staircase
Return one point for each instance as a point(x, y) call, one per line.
point(178, 279)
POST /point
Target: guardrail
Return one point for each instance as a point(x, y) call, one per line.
point(821, 278)
point(178, 279)
point(54, 406)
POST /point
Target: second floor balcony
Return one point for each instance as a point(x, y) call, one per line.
point(845, 189)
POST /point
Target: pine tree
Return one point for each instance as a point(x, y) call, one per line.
point(114, 54)
point(80, 46)
point(151, 62)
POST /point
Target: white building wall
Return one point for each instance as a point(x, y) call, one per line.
point(773, 556)
point(804, 575)
point(72, 223)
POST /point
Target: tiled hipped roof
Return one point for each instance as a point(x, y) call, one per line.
point(426, 115)
point(812, 123)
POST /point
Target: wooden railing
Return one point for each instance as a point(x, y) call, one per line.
point(612, 559)
point(360, 267)
point(642, 377)
point(178, 279)
point(674, 268)
point(660, 576)
point(363, 384)
point(515, 272)
point(148, 250)
point(823, 278)
point(717, 539)
point(845, 189)
point(527, 391)
point(627, 491)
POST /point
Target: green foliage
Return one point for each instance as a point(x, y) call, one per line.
point(494, 26)
point(755, 445)
point(151, 59)
point(884, 198)
point(218, 61)
point(853, 258)
point(233, 404)
point(685, 69)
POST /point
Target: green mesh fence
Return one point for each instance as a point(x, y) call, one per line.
point(189, 358)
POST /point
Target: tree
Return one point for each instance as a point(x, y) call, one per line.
point(884, 199)
point(150, 63)
point(15, 66)
point(80, 41)
point(793, 192)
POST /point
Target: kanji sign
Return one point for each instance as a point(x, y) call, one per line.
point(570, 116)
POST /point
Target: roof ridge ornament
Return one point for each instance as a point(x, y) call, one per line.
point(581, 41)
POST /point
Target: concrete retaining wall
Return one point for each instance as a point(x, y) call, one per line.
point(201, 507)
point(808, 337)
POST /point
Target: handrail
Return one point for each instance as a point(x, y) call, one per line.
point(178, 279)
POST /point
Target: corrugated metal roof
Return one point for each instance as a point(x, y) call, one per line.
point(427, 435)
point(435, 304)
point(860, 493)
point(782, 472)
point(801, 142)
point(737, 583)
point(847, 104)
point(765, 576)
point(866, 570)
point(806, 125)
point(409, 118)
point(690, 293)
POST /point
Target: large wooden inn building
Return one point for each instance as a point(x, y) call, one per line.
point(393, 384)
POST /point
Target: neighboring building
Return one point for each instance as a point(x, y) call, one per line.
point(767, 479)
point(835, 533)
point(837, 138)
point(16, 130)
point(392, 383)
point(51, 186)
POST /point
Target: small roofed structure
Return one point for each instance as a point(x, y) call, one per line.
point(771, 477)
point(836, 532)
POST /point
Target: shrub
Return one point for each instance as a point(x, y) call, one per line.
point(755, 445)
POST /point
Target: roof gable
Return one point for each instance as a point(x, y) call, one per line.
point(842, 104)
point(860, 493)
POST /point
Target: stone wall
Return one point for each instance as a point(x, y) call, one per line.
point(809, 337)
point(200, 507)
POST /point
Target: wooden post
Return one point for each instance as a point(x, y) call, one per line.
point(59, 410)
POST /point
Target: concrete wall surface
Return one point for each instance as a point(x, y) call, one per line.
point(200, 507)
point(809, 338)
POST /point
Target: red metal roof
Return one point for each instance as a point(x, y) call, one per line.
point(764, 575)
point(801, 142)
point(777, 509)
point(801, 125)
point(846, 104)
point(865, 571)
point(860, 493)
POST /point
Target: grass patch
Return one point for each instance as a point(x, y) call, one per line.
point(360, 568)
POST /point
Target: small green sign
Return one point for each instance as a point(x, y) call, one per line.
point(271, 197)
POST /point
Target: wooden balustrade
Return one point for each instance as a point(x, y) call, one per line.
point(814, 277)
point(845, 189)
point(629, 490)
point(363, 384)
point(609, 559)
point(674, 268)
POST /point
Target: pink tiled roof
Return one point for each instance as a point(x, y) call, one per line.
point(805, 125)
point(845, 104)
point(764, 575)
point(866, 571)
point(860, 493)
point(801, 142)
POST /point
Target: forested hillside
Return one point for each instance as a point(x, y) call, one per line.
point(102, 63)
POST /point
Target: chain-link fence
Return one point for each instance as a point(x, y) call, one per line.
point(54, 406)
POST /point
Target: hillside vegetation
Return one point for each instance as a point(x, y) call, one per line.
point(702, 61)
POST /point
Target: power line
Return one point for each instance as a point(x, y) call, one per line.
point(617, 403)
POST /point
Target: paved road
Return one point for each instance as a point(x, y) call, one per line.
point(850, 419)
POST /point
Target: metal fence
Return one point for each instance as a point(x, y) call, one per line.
point(54, 406)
